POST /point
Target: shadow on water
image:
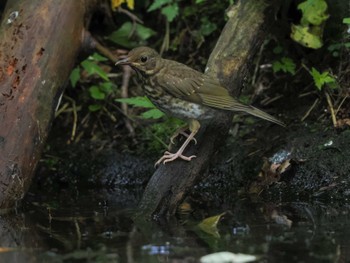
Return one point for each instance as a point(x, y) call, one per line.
point(92, 227)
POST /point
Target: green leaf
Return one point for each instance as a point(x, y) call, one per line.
point(92, 68)
point(74, 76)
point(138, 102)
point(304, 36)
point(122, 35)
point(94, 107)
point(321, 78)
point(285, 64)
point(170, 12)
point(207, 27)
point(277, 50)
point(96, 93)
point(106, 87)
point(152, 114)
point(200, 1)
point(209, 225)
point(143, 32)
point(314, 12)
point(158, 4)
point(346, 20)
point(98, 57)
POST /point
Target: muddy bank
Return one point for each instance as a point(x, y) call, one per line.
point(314, 165)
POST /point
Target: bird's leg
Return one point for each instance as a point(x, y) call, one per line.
point(182, 131)
point(169, 157)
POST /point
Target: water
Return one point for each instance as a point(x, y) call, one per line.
point(94, 227)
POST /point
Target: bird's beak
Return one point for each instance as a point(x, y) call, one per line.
point(124, 61)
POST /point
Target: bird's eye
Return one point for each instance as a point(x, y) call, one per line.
point(143, 59)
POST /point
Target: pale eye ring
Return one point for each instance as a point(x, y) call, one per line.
point(143, 59)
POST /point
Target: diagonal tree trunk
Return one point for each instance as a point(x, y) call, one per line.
point(40, 40)
point(239, 41)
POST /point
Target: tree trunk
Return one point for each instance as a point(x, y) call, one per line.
point(229, 62)
point(40, 40)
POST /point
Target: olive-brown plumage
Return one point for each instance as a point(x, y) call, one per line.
point(183, 92)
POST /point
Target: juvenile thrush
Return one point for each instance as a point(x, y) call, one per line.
point(183, 92)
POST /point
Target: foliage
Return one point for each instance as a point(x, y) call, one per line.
point(100, 90)
point(285, 64)
point(320, 79)
point(200, 22)
point(169, 8)
point(337, 47)
point(152, 113)
point(129, 35)
point(310, 30)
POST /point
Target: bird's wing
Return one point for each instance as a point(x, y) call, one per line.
point(188, 84)
point(180, 81)
point(191, 85)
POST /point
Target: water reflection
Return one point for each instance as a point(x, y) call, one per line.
point(93, 228)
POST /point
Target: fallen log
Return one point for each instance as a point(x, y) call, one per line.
point(40, 41)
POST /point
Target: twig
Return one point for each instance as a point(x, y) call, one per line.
point(131, 15)
point(270, 100)
point(341, 104)
point(124, 94)
point(134, 19)
point(331, 109)
point(75, 117)
point(257, 63)
point(77, 228)
point(104, 51)
point(309, 110)
point(165, 44)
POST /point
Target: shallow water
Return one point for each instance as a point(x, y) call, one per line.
point(93, 227)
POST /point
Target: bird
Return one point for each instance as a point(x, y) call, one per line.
point(184, 93)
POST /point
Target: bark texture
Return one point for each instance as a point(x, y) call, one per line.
point(40, 40)
point(229, 62)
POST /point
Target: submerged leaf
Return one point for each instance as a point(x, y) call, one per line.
point(209, 225)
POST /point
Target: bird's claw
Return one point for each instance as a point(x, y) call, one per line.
point(169, 157)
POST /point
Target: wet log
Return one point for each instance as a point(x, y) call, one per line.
point(240, 39)
point(40, 41)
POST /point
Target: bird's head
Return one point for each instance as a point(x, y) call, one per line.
point(141, 59)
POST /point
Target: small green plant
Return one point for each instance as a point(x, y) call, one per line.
point(285, 64)
point(97, 91)
point(320, 79)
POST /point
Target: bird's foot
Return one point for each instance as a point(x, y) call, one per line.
point(169, 157)
point(183, 132)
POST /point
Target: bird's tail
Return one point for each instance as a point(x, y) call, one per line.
point(261, 114)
